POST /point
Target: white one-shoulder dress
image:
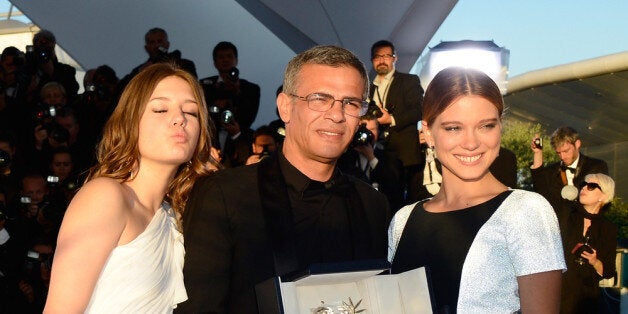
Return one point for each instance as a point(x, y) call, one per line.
point(146, 274)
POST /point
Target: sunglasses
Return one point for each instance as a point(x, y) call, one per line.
point(590, 185)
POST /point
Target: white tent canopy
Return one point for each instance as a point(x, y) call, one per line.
point(267, 32)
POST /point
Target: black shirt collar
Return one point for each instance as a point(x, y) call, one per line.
point(299, 182)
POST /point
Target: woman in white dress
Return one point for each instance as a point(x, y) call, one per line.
point(120, 248)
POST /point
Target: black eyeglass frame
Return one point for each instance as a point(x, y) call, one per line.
point(384, 56)
point(590, 186)
point(364, 105)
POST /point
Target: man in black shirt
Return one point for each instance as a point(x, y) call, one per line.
point(248, 224)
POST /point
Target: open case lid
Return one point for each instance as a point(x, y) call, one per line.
point(331, 273)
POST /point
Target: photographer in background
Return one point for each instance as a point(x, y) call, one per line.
point(264, 144)
point(34, 277)
point(156, 45)
point(12, 164)
point(46, 66)
point(400, 96)
point(232, 104)
point(367, 160)
point(39, 214)
point(62, 179)
point(558, 181)
point(97, 103)
point(227, 91)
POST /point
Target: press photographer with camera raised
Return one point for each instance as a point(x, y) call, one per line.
point(264, 144)
point(367, 159)
point(233, 103)
point(227, 90)
point(46, 66)
point(157, 46)
point(400, 97)
point(558, 181)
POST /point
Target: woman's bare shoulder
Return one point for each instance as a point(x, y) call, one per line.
point(100, 198)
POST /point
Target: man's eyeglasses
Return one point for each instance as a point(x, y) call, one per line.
point(590, 186)
point(385, 57)
point(354, 107)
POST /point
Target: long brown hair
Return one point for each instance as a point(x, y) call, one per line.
point(118, 153)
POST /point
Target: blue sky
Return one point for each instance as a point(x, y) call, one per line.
point(540, 34)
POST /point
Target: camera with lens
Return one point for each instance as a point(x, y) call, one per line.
point(234, 74)
point(373, 112)
point(57, 132)
point(538, 143)
point(37, 55)
point(44, 112)
point(52, 181)
point(95, 91)
point(363, 136)
point(5, 161)
point(33, 261)
point(224, 116)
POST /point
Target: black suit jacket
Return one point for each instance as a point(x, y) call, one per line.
point(504, 167)
point(403, 101)
point(238, 223)
point(245, 103)
point(387, 174)
point(547, 179)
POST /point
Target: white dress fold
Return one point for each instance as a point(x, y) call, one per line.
point(146, 274)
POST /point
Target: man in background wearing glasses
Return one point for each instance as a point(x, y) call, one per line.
point(248, 224)
point(558, 181)
point(399, 95)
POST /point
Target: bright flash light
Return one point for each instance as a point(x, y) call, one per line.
point(490, 59)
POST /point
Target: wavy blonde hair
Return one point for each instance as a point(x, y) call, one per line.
point(118, 154)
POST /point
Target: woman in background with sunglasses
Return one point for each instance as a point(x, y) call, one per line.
point(589, 241)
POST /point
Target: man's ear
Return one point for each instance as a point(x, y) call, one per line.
point(577, 144)
point(284, 106)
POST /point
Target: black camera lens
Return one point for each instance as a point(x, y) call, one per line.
point(234, 74)
point(59, 134)
point(538, 143)
point(5, 159)
point(363, 136)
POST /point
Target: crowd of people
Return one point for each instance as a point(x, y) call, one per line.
point(158, 180)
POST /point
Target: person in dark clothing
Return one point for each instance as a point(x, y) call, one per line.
point(49, 69)
point(400, 96)
point(475, 227)
point(557, 181)
point(156, 44)
point(249, 224)
point(590, 242)
point(504, 168)
point(367, 160)
point(228, 91)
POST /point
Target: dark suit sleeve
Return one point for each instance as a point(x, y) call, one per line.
point(504, 168)
point(247, 102)
point(607, 251)
point(208, 250)
point(599, 166)
point(408, 103)
point(540, 180)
